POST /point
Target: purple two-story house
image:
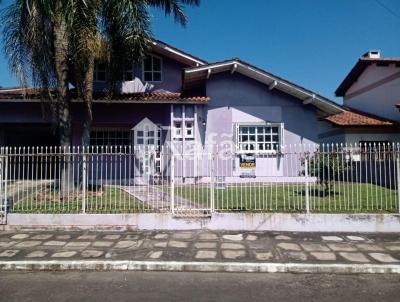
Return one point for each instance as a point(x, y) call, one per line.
point(176, 99)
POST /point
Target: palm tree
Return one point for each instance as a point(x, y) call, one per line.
point(43, 37)
point(124, 34)
point(35, 38)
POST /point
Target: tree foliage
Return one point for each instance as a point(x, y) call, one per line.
point(38, 34)
point(326, 167)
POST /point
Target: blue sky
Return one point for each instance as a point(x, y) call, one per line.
point(312, 43)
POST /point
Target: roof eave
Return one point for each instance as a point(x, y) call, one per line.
point(272, 81)
point(182, 56)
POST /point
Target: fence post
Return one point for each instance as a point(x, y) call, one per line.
point(1, 177)
point(307, 186)
point(84, 171)
point(172, 204)
point(5, 186)
point(212, 183)
point(398, 179)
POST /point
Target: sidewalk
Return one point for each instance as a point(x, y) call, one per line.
point(200, 251)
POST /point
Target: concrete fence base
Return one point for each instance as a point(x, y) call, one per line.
point(363, 223)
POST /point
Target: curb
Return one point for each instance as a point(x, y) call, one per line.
point(177, 266)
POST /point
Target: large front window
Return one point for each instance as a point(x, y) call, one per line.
point(259, 138)
point(152, 69)
point(110, 137)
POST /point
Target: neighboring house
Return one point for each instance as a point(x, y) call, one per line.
point(176, 99)
point(372, 87)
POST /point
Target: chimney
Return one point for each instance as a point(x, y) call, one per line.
point(373, 54)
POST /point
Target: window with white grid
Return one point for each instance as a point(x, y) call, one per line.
point(183, 125)
point(259, 138)
point(110, 137)
point(152, 69)
point(127, 74)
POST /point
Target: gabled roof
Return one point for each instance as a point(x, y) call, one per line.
point(359, 68)
point(351, 117)
point(272, 81)
point(175, 53)
point(157, 97)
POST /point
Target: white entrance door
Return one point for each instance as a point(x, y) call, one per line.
point(147, 140)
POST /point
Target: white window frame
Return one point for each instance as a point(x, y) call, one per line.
point(96, 71)
point(183, 120)
point(152, 71)
point(280, 127)
point(131, 70)
point(108, 130)
point(191, 128)
point(176, 129)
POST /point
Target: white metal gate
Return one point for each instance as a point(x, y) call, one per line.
point(3, 189)
point(192, 185)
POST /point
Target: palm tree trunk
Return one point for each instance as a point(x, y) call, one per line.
point(88, 97)
point(63, 100)
point(61, 64)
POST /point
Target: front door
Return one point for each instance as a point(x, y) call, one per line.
point(147, 143)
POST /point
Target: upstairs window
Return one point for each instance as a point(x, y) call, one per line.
point(152, 69)
point(126, 75)
point(99, 72)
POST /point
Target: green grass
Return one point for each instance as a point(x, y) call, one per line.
point(109, 200)
point(342, 197)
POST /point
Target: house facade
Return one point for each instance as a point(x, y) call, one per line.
point(372, 89)
point(175, 100)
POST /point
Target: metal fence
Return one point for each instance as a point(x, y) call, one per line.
point(355, 178)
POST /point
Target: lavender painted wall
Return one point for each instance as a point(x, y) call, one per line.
point(380, 99)
point(238, 99)
point(121, 116)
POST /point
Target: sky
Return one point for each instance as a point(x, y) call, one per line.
point(313, 43)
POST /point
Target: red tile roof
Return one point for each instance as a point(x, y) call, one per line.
point(359, 68)
point(151, 97)
point(351, 118)
point(147, 97)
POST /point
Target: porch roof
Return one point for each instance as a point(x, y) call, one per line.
point(34, 95)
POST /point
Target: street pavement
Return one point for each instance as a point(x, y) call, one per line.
point(193, 287)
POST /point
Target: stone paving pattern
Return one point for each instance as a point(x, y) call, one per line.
point(201, 245)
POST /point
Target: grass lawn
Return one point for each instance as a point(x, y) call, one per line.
point(108, 200)
point(342, 197)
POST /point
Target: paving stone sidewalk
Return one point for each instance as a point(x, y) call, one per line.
point(202, 246)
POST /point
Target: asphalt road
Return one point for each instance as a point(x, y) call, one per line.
point(188, 287)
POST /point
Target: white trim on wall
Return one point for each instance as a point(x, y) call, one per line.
point(280, 134)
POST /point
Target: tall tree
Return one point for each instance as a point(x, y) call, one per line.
point(43, 38)
point(125, 33)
